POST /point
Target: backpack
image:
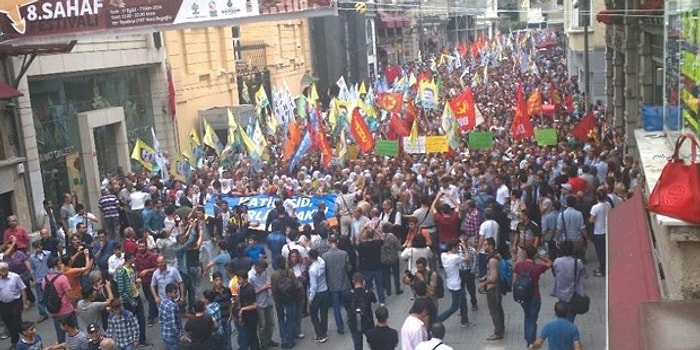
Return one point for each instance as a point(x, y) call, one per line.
point(505, 275)
point(523, 288)
point(287, 290)
point(51, 297)
point(358, 319)
point(440, 288)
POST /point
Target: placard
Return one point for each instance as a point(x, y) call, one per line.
point(481, 140)
point(414, 147)
point(352, 152)
point(436, 144)
point(387, 148)
point(546, 137)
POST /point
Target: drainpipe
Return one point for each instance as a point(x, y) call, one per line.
point(12, 109)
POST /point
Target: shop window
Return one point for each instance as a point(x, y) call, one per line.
point(682, 68)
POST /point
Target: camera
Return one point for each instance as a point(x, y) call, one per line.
point(409, 275)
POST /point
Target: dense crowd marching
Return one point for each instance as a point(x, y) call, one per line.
point(454, 218)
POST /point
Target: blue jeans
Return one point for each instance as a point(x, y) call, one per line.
point(286, 320)
point(242, 339)
point(459, 302)
point(189, 285)
point(482, 260)
point(337, 303)
point(227, 333)
point(357, 340)
point(172, 344)
point(532, 312)
point(60, 334)
point(375, 276)
point(40, 302)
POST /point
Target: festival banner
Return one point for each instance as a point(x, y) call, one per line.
point(360, 131)
point(414, 147)
point(436, 144)
point(261, 205)
point(546, 137)
point(34, 19)
point(481, 140)
point(387, 148)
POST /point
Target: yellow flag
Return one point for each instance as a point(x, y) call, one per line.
point(259, 139)
point(249, 145)
point(313, 96)
point(272, 123)
point(414, 131)
point(180, 169)
point(211, 139)
point(342, 147)
point(192, 145)
point(144, 154)
point(443, 61)
point(261, 100)
point(333, 113)
point(412, 80)
point(363, 88)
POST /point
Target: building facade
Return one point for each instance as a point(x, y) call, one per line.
point(210, 65)
point(575, 48)
point(81, 113)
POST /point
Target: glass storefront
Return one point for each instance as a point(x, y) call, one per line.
point(55, 107)
point(682, 71)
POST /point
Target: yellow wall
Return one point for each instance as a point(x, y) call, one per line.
point(597, 30)
point(202, 63)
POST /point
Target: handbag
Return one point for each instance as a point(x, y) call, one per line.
point(580, 304)
point(678, 187)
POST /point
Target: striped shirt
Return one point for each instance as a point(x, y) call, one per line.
point(109, 204)
point(471, 264)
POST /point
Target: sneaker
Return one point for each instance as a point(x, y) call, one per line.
point(475, 308)
point(399, 292)
point(272, 344)
point(413, 297)
point(466, 324)
point(300, 336)
point(381, 304)
point(322, 339)
point(598, 274)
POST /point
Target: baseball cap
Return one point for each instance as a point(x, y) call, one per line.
point(91, 328)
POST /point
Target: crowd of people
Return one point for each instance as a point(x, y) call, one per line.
point(451, 219)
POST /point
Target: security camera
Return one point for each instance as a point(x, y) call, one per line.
point(576, 4)
point(298, 45)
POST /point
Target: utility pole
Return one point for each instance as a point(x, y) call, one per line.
point(585, 18)
point(420, 29)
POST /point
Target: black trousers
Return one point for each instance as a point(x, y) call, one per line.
point(140, 317)
point(11, 314)
point(467, 277)
point(599, 243)
point(389, 271)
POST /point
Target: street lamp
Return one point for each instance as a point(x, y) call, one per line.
point(584, 7)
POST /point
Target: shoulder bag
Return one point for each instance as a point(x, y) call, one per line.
point(580, 304)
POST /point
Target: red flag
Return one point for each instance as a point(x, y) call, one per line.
point(464, 110)
point(391, 73)
point(361, 132)
point(570, 103)
point(171, 94)
point(325, 148)
point(390, 102)
point(522, 128)
point(411, 112)
point(554, 97)
point(398, 127)
point(585, 129)
point(534, 103)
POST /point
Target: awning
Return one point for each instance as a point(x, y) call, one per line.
point(631, 274)
point(7, 92)
point(386, 20)
point(403, 21)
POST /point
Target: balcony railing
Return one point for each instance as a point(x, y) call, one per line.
point(250, 56)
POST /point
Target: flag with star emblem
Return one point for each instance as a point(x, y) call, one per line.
point(390, 101)
point(464, 110)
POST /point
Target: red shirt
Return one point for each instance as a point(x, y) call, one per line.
point(130, 246)
point(538, 270)
point(146, 261)
point(63, 289)
point(577, 184)
point(20, 233)
point(447, 226)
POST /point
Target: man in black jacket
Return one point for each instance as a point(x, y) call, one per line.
point(358, 304)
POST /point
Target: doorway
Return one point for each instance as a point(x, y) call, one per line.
point(5, 209)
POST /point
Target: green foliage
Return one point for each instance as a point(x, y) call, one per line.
point(507, 26)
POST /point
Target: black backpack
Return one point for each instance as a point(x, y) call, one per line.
point(51, 297)
point(440, 288)
point(359, 318)
point(287, 289)
point(523, 288)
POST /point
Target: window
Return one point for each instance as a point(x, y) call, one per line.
point(580, 13)
point(369, 37)
point(236, 36)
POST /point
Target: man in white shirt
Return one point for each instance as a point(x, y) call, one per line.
point(437, 331)
point(487, 229)
point(451, 261)
point(502, 191)
point(82, 216)
point(450, 192)
point(137, 202)
point(115, 261)
point(318, 297)
point(413, 331)
point(599, 219)
point(293, 244)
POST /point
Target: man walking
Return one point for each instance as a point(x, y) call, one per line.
point(318, 296)
point(122, 327)
point(358, 304)
point(382, 337)
point(599, 219)
point(493, 292)
point(13, 300)
point(128, 285)
point(38, 261)
point(572, 227)
point(560, 333)
point(370, 251)
point(257, 277)
point(337, 267)
point(169, 318)
point(451, 261)
point(531, 306)
point(437, 333)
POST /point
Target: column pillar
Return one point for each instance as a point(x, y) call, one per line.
point(609, 80)
point(618, 63)
point(646, 69)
